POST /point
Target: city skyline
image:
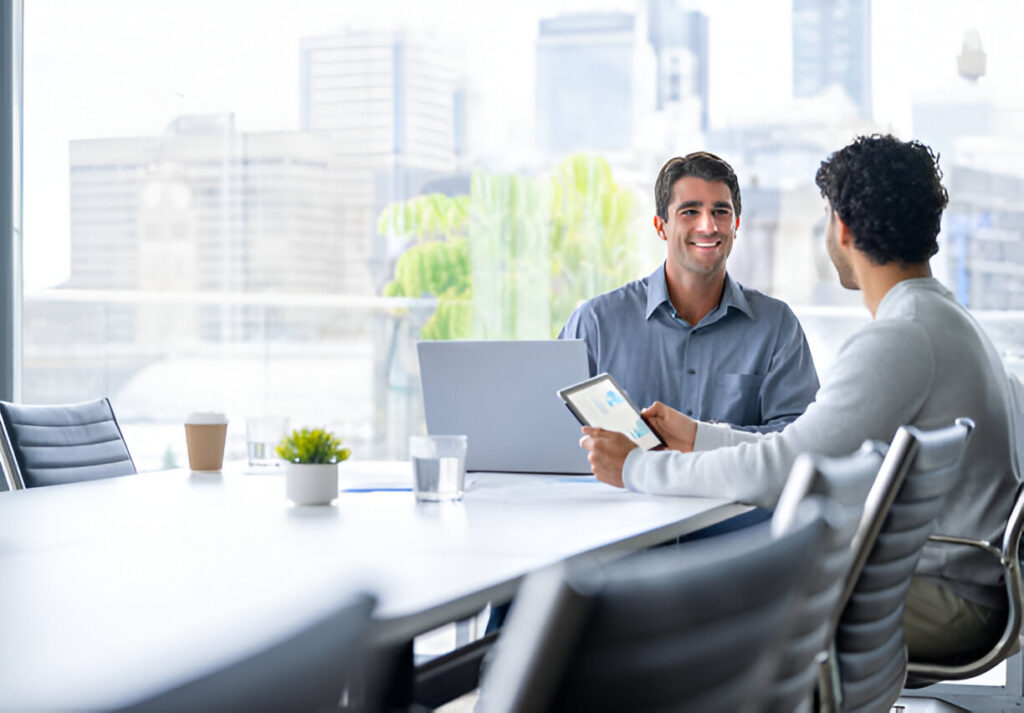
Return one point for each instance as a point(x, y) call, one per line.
point(832, 46)
point(203, 172)
point(137, 93)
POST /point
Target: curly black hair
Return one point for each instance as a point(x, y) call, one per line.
point(889, 194)
point(699, 164)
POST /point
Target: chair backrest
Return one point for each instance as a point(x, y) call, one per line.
point(1016, 406)
point(692, 629)
point(306, 671)
point(841, 486)
point(49, 445)
point(919, 470)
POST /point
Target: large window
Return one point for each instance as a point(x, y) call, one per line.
point(259, 207)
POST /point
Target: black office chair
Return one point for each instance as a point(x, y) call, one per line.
point(691, 629)
point(868, 663)
point(306, 671)
point(841, 485)
point(50, 445)
point(1007, 554)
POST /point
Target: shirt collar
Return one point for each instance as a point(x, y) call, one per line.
point(732, 296)
point(657, 291)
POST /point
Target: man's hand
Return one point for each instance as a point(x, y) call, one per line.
point(608, 451)
point(678, 431)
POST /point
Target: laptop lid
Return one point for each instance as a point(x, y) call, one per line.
point(503, 396)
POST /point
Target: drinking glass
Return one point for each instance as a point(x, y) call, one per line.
point(262, 434)
point(438, 467)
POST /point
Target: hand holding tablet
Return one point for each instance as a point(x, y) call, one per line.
point(602, 403)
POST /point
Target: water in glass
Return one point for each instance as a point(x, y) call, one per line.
point(438, 478)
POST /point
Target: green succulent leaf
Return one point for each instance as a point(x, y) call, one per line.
point(312, 445)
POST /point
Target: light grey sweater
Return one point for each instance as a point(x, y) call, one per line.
point(924, 361)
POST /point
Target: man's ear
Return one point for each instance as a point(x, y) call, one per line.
point(737, 223)
point(843, 235)
point(659, 227)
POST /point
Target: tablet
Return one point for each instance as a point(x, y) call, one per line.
point(601, 402)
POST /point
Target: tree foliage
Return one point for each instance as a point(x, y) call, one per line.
point(433, 216)
point(513, 258)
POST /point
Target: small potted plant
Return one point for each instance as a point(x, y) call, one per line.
point(311, 457)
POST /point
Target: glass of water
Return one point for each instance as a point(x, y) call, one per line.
point(262, 434)
point(438, 467)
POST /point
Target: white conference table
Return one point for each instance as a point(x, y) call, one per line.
point(112, 590)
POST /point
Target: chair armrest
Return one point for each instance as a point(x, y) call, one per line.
point(1005, 643)
point(978, 544)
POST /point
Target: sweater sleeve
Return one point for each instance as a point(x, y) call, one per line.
point(879, 381)
point(718, 435)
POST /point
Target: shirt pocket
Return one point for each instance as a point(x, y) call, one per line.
point(736, 399)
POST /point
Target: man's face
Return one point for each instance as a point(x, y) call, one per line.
point(846, 277)
point(701, 226)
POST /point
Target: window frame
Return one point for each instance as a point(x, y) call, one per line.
point(11, 98)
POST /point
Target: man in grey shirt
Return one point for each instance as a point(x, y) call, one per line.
point(923, 361)
point(689, 335)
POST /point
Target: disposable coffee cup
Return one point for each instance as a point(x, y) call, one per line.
point(205, 434)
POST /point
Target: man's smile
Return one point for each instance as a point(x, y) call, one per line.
point(706, 243)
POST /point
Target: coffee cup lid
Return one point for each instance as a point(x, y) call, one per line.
point(202, 418)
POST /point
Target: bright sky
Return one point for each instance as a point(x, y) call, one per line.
point(112, 68)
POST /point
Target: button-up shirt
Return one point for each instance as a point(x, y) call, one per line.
point(746, 363)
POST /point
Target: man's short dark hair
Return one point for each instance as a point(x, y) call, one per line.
point(699, 164)
point(889, 194)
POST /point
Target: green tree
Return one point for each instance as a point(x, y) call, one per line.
point(593, 242)
point(513, 258)
point(510, 253)
point(434, 216)
point(436, 261)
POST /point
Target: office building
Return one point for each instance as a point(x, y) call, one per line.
point(394, 105)
point(776, 159)
point(980, 145)
point(958, 110)
point(679, 38)
point(203, 207)
point(983, 227)
point(832, 45)
point(983, 237)
point(590, 82)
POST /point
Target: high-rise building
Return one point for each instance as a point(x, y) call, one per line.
point(394, 105)
point(587, 82)
point(680, 41)
point(203, 207)
point(980, 145)
point(983, 239)
point(832, 45)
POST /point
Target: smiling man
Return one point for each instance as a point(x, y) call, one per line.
point(923, 361)
point(689, 335)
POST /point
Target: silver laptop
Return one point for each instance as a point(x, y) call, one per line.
point(502, 395)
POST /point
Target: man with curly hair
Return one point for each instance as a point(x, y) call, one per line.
point(923, 361)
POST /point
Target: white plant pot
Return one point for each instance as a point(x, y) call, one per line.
point(311, 483)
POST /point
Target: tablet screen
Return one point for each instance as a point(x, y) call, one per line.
point(601, 402)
